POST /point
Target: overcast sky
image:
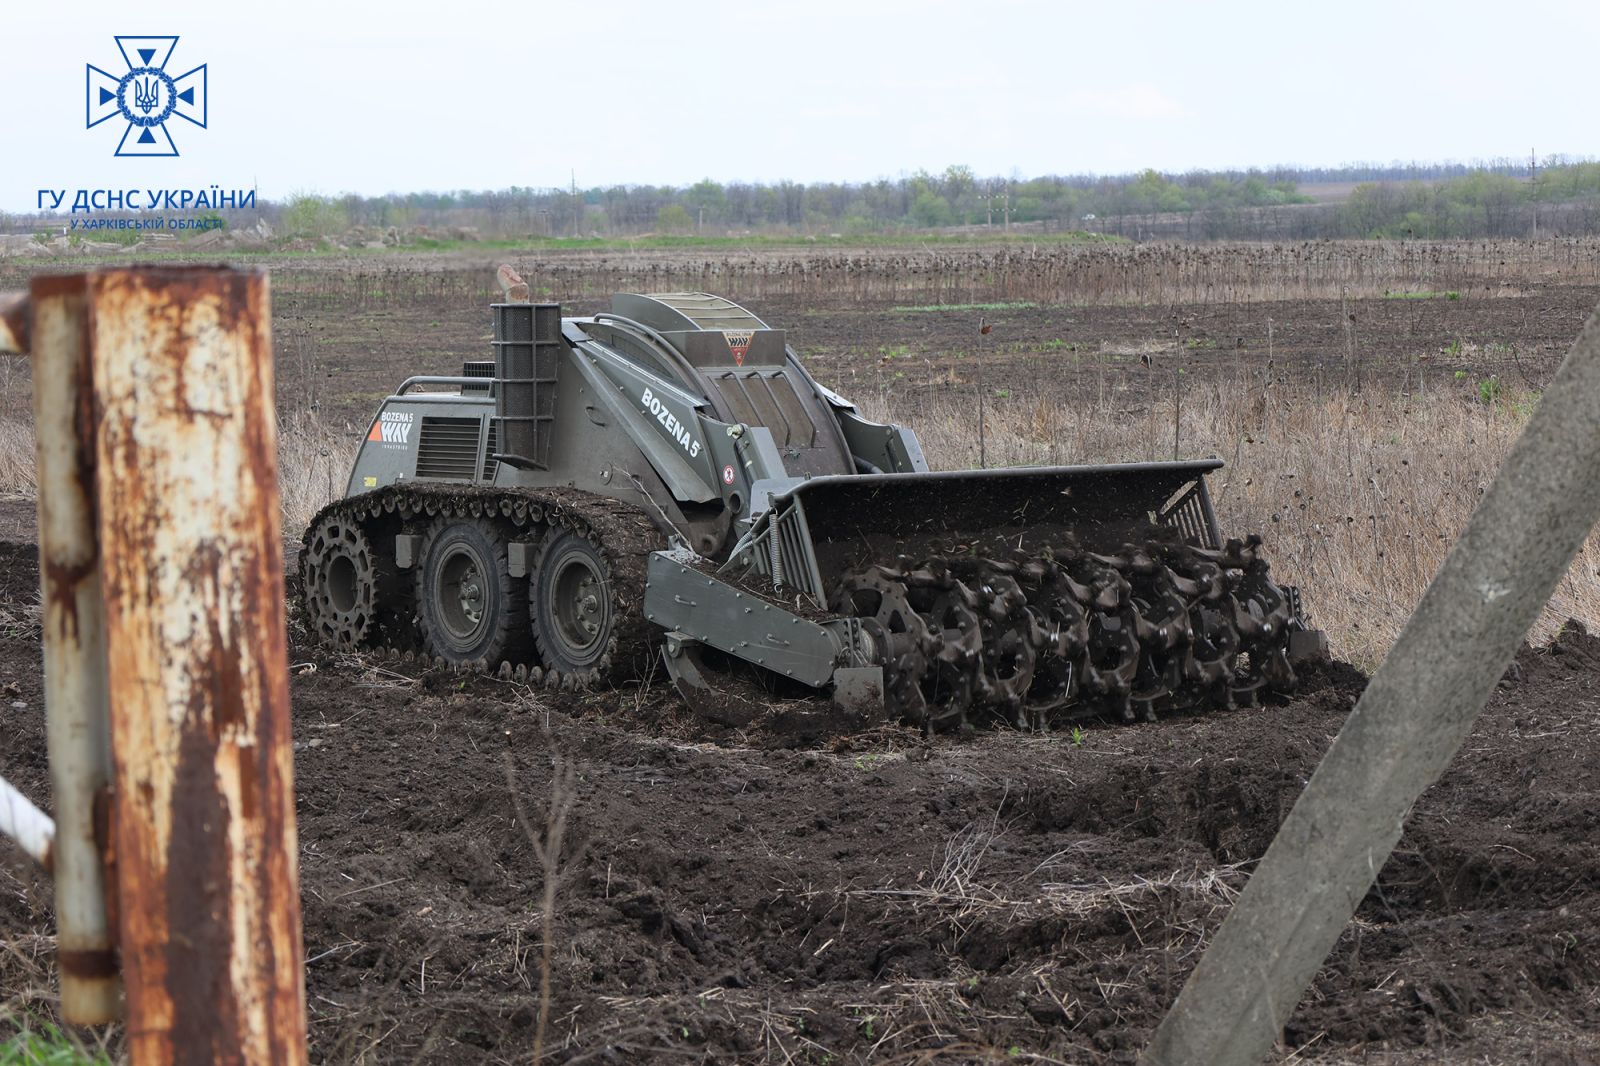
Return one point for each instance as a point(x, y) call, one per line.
point(335, 96)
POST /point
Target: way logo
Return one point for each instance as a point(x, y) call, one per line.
point(392, 427)
point(145, 96)
point(738, 343)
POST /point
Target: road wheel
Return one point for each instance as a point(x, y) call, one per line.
point(573, 609)
point(339, 579)
point(468, 606)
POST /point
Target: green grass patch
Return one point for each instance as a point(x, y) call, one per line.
point(927, 308)
point(1423, 294)
point(48, 1045)
point(909, 239)
point(325, 248)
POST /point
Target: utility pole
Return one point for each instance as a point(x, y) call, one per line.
point(1413, 717)
point(1533, 183)
point(577, 208)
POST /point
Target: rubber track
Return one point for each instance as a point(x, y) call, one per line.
point(623, 533)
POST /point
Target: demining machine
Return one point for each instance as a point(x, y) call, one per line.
point(664, 482)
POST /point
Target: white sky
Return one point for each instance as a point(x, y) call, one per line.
point(332, 96)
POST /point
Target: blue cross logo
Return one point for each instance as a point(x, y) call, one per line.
point(146, 96)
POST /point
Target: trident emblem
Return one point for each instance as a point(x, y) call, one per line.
point(146, 94)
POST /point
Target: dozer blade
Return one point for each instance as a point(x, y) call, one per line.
point(844, 521)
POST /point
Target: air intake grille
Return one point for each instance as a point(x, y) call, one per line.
point(478, 368)
point(448, 448)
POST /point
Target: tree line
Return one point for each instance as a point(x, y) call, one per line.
point(955, 196)
point(1494, 198)
point(1479, 204)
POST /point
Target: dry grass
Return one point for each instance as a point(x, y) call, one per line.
point(1048, 273)
point(314, 461)
point(1358, 495)
point(16, 455)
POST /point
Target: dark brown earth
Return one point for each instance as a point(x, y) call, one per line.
point(724, 898)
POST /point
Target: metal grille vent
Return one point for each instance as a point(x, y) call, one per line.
point(448, 448)
point(478, 368)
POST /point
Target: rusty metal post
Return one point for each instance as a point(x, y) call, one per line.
point(77, 722)
point(186, 471)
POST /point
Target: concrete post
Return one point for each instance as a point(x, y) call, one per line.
point(1407, 726)
point(78, 726)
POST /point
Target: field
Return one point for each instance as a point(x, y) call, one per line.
point(747, 897)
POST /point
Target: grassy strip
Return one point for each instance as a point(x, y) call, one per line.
point(907, 241)
point(1423, 294)
point(1021, 305)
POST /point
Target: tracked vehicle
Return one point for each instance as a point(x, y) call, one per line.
point(666, 481)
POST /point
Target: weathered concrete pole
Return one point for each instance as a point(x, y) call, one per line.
point(208, 893)
point(1407, 726)
point(78, 725)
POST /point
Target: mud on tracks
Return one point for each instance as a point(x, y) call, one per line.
point(873, 897)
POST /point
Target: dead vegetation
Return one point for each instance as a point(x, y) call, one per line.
point(1358, 494)
point(314, 462)
point(1105, 274)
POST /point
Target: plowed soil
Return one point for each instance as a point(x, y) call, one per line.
point(727, 897)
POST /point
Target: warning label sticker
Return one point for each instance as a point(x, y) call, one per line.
point(738, 343)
